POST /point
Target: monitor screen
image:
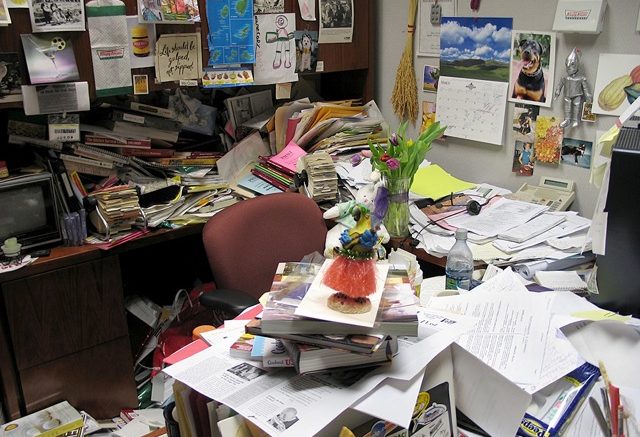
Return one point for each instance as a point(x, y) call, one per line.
point(24, 211)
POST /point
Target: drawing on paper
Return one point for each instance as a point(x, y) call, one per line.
point(475, 48)
point(617, 83)
point(282, 38)
point(532, 67)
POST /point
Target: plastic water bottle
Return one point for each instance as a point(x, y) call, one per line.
point(459, 266)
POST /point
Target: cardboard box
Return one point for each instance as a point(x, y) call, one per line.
point(54, 421)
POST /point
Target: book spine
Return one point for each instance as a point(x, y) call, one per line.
point(276, 183)
point(146, 120)
point(80, 160)
point(152, 110)
point(149, 153)
point(285, 179)
point(98, 140)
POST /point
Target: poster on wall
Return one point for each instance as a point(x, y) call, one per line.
point(143, 42)
point(56, 16)
point(428, 30)
point(475, 48)
point(178, 57)
point(231, 32)
point(533, 57)
point(336, 21)
point(275, 49)
point(50, 58)
point(168, 11)
point(617, 83)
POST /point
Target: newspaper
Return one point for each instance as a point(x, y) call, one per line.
point(283, 403)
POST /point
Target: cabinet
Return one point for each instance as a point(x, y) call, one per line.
point(348, 68)
point(69, 338)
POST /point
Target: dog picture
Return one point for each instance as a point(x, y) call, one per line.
point(531, 67)
point(530, 83)
point(306, 45)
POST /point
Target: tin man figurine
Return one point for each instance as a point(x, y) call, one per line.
point(576, 90)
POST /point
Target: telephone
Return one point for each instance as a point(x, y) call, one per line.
point(555, 193)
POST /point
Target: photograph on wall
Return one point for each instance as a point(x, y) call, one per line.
point(276, 54)
point(143, 43)
point(548, 141)
point(140, 84)
point(184, 11)
point(587, 113)
point(523, 158)
point(150, 11)
point(617, 83)
point(231, 32)
point(576, 152)
point(428, 115)
point(10, 78)
point(475, 48)
point(429, 17)
point(533, 57)
point(56, 16)
point(336, 21)
point(430, 78)
point(306, 50)
point(50, 58)
point(268, 6)
point(5, 18)
point(524, 121)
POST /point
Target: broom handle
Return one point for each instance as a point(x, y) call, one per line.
point(411, 21)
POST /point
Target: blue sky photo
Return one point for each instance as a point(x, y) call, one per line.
point(482, 39)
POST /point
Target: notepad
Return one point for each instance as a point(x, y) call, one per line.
point(560, 280)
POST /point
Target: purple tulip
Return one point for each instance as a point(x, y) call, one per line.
point(393, 164)
point(394, 139)
point(355, 159)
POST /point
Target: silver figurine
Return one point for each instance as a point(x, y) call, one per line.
point(576, 90)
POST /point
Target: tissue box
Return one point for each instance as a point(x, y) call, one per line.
point(579, 16)
point(58, 420)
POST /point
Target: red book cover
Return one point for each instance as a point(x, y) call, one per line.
point(149, 153)
point(104, 141)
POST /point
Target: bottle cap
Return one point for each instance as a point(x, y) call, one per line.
point(461, 233)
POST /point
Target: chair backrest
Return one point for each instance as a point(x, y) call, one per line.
point(246, 241)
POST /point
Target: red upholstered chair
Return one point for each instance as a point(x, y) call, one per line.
point(246, 241)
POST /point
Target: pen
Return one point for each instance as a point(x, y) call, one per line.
point(620, 421)
point(607, 409)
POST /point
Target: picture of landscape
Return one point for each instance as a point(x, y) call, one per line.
point(476, 48)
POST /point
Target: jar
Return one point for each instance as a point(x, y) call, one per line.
point(140, 41)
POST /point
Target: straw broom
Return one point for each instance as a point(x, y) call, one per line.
point(405, 91)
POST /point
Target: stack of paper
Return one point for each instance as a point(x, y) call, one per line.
point(119, 208)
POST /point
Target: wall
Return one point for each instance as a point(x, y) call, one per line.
point(481, 162)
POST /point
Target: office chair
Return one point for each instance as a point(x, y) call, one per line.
point(245, 242)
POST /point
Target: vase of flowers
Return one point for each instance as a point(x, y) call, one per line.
point(398, 161)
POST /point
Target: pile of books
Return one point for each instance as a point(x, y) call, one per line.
point(279, 169)
point(117, 209)
point(315, 345)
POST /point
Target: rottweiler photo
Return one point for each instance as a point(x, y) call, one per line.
point(531, 69)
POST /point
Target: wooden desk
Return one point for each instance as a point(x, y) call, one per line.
point(63, 327)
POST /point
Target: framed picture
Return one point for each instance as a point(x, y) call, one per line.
point(533, 57)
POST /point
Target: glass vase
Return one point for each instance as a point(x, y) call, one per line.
point(397, 218)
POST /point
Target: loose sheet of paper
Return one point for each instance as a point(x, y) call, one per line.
point(56, 97)
point(434, 182)
point(429, 33)
point(510, 333)
point(472, 109)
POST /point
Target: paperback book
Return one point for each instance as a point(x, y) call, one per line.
point(307, 358)
point(397, 314)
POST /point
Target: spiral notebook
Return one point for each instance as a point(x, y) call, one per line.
point(560, 280)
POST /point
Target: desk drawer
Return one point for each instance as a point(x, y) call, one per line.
point(65, 311)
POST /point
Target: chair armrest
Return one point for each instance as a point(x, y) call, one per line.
point(230, 301)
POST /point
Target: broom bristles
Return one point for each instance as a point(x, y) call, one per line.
point(404, 98)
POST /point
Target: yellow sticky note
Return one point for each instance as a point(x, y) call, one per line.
point(597, 315)
point(433, 182)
